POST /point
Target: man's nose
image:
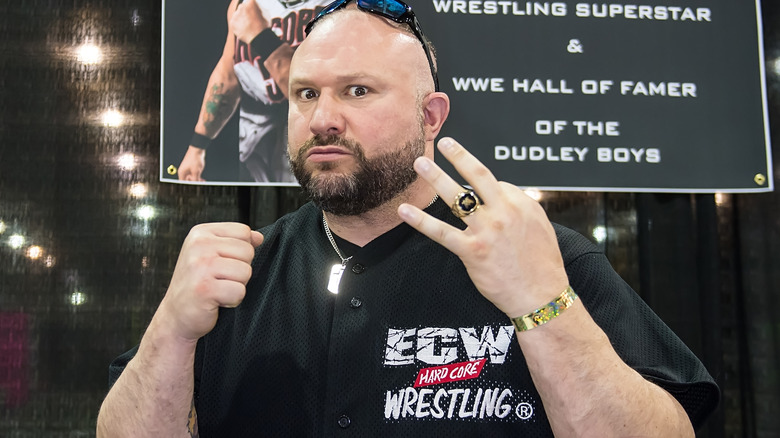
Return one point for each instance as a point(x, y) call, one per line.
point(327, 118)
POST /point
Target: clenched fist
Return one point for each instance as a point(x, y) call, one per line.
point(212, 271)
point(192, 165)
point(248, 21)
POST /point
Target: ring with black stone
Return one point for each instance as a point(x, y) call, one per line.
point(466, 203)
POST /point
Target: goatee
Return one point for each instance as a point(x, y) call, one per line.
point(376, 181)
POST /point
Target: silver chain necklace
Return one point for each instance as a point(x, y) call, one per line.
point(337, 270)
point(333, 241)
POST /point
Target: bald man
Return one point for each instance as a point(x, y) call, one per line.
point(398, 303)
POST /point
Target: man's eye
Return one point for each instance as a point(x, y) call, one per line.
point(358, 91)
point(307, 94)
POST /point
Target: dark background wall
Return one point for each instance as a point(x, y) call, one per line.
point(89, 237)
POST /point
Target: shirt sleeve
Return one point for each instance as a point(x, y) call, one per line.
point(118, 365)
point(637, 334)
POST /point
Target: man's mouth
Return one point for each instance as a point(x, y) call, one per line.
point(326, 153)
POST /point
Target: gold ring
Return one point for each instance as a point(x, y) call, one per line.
point(466, 203)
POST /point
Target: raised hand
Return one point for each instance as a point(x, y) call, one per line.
point(212, 271)
point(509, 247)
point(248, 21)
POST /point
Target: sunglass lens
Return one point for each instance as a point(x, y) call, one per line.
point(331, 7)
point(388, 8)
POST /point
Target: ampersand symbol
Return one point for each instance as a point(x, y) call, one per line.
point(574, 46)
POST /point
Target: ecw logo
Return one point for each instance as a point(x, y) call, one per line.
point(443, 345)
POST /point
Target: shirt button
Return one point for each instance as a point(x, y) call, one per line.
point(357, 268)
point(344, 421)
point(355, 302)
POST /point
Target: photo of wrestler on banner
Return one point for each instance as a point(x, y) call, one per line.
point(248, 83)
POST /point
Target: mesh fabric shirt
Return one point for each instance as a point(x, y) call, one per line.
point(408, 347)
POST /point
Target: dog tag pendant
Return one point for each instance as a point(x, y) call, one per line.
point(335, 277)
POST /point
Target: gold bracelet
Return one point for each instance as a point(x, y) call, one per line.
point(547, 312)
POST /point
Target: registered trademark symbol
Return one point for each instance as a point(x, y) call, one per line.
point(524, 411)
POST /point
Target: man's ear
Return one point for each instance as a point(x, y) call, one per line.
point(436, 108)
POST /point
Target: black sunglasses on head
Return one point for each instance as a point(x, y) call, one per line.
point(395, 10)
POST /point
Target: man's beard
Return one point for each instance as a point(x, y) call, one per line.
point(376, 180)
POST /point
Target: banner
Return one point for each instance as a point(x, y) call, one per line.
point(645, 97)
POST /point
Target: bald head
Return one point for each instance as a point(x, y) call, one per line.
point(361, 37)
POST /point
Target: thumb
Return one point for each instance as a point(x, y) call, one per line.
point(256, 238)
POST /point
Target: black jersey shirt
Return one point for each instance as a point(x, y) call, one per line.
point(407, 348)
